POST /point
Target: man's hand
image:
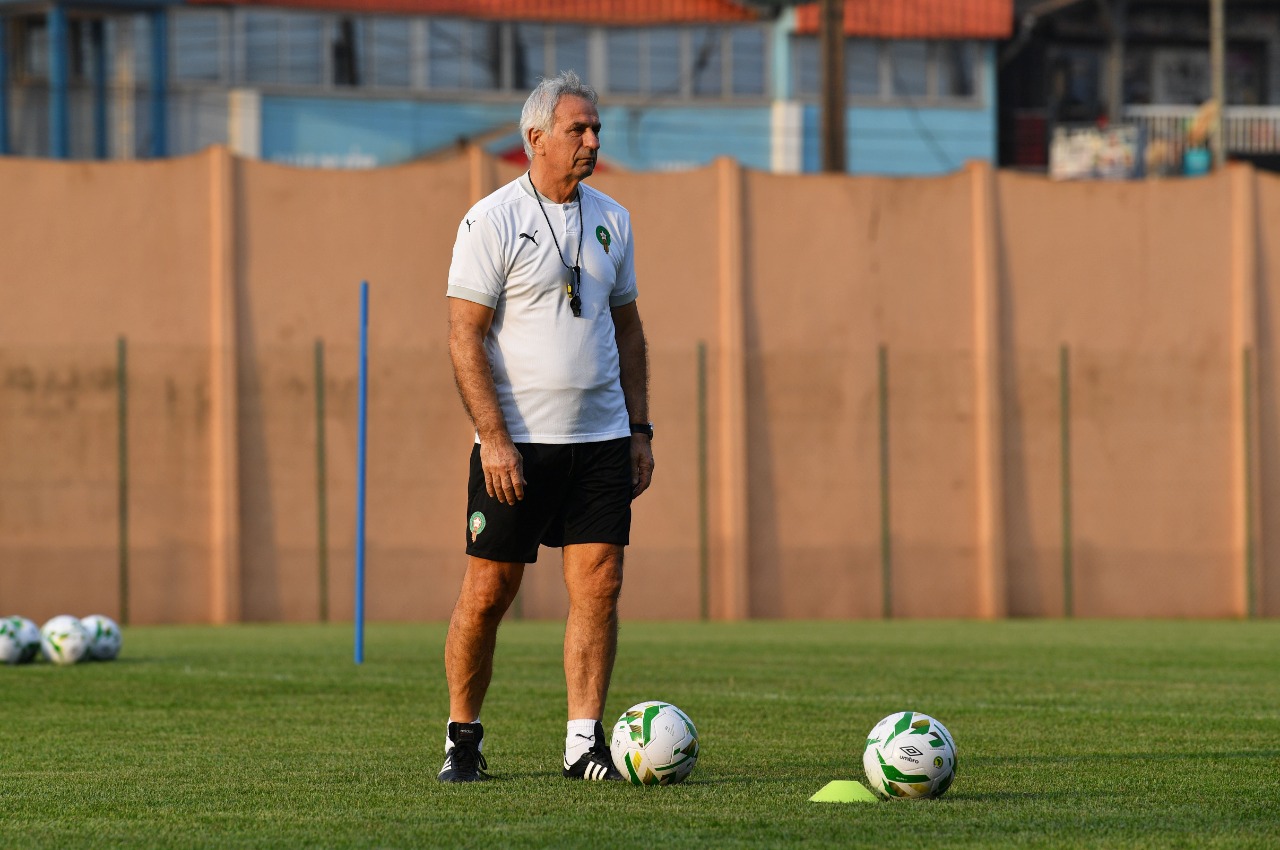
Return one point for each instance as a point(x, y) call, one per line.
point(641, 464)
point(633, 374)
point(503, 470)
point(501, 461)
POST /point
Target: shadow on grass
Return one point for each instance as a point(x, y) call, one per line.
point(554, 776)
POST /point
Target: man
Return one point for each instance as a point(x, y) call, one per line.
point(549, 357)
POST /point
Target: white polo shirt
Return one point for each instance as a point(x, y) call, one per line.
point(556, 374)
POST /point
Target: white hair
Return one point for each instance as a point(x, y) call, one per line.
point(540, 109)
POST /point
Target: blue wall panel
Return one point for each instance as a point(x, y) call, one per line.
point(363, 133)
point(894, 141)
point(657, 139)
point(898, 140)
point(341, 132)
point(891, 139)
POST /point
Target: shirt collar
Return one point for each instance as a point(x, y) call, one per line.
point(526, 183)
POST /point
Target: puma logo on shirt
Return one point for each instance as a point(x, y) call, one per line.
point(530, 238)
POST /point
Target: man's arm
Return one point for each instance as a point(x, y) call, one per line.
point(502, 463)
point(633, 364)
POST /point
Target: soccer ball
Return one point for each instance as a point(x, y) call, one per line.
point(19, 640)
point(654, 743)
point(104, 637)
point(63, 640)
point(910, 755)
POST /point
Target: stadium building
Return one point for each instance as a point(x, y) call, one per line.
point(363, 83)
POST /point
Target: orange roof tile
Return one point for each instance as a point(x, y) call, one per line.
point(604, 12)
point(918, 18)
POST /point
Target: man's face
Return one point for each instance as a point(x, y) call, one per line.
point(571, 146)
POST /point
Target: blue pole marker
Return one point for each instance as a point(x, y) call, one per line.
point(362, 442)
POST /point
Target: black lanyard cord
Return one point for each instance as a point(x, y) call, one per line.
point(575, 271)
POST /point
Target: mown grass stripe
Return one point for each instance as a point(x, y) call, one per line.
point(266, 736)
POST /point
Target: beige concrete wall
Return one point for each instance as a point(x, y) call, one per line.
point(305, 241)
point(1261, 221)
point(852, 275)
point(1135, 280)
point(224, 275)
point(91, 253)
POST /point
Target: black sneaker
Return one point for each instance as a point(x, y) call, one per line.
point(464, 762)
point(595, 763)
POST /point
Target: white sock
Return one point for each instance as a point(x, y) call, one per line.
point(580, 737)
point(448, 744)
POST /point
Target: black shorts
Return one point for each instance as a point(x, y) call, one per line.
point(573, 494)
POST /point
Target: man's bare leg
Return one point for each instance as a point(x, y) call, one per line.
point(488, 589)
point(593, 577)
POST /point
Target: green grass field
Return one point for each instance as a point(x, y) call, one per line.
point(1070, 734)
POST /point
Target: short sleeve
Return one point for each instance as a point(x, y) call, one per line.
point(624, 287)
point(478, 270)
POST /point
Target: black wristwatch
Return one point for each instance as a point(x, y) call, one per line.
point(645, 428)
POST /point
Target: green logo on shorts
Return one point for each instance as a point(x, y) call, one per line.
point(476, 524)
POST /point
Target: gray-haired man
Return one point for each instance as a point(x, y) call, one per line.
point(549, 356)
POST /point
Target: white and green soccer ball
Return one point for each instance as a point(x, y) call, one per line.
point(19, 640)
point(104, 637)
point(910, 755)
point(654, 743)
point(63, 640)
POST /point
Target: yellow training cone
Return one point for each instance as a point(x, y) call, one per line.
point(844, 791)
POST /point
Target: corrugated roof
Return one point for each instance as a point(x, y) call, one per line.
point(603, 12)
point(918, 18)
